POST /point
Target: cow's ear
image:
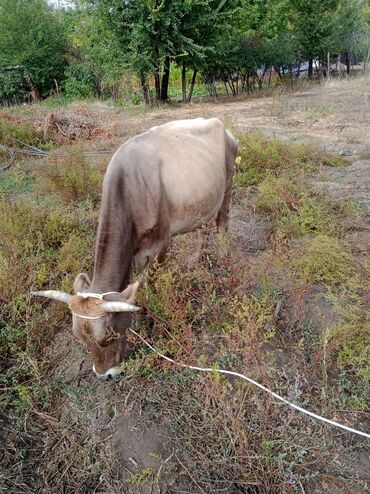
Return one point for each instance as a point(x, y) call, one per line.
point(82, 283)
point(129, 293)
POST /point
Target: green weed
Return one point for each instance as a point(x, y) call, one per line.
point(39, 247)
point(71, 177)
point(324, 260)
point(142, 477)
point(259, 157)
point(13, 129)
point(293, 209)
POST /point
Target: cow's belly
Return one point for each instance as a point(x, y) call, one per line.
point(189, 216)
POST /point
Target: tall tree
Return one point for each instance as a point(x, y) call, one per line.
point(31, 36)
point(154, 33)
point(315, 28)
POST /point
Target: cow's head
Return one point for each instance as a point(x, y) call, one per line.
point(99, 322)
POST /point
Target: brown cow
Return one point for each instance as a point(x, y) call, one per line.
point(167, 181)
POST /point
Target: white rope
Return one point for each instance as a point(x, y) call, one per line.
point(242, 376)
point(89, 317)
point(100, 296)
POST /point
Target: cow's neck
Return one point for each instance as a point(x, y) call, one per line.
point(113, 247)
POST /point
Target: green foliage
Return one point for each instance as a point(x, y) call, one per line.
point(79, 82)
point(31, 37)
point(315, 25)
point(13, 86)
point(259, 157)
point(324, 260)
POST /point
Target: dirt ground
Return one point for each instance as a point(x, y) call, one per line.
point(334, 117)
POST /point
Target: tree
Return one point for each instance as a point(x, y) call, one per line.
point(315, 28)
point(353, 30)
point(94, 56)
point(31, 37)
point(155, 33)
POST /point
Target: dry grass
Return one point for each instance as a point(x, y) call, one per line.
point(71, 177)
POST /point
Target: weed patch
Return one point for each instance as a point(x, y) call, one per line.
point(14, 131)
point(39, 247)
point(293, 209)
point(324, 260)
point(259, 157)
point(72, 178)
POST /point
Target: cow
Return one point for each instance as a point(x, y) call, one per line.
point(167, 181)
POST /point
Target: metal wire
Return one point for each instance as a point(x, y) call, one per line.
point(28, 150)
point(9, 161)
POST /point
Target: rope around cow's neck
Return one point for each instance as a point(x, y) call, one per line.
point(255, 383)
point(99, 296)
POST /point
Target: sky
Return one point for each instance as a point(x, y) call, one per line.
point(59, 3)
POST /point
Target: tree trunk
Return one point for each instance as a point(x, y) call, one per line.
point(145, 88)
point(310, 66)
point(34, 89)
point(157, 82)
point(192, 84)
point(183, 82)
point(348, 63)
point(277, 70)
point(165, 80)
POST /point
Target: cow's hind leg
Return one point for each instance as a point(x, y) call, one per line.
point(230, 155)
point(222, 219)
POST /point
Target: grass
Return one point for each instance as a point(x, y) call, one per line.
point(71, 177)
point(14, 130)
point(213, 307)
point(260, 157)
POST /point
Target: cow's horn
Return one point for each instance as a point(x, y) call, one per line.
point(119, 307)
point(53, 294)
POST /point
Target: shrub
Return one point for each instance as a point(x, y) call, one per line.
point(13, 129)
point(71, 177)
point(324, 260)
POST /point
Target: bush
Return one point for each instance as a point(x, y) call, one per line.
point(40, 247)
point(14, 129)
point(79, 82)
point(72, 178)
